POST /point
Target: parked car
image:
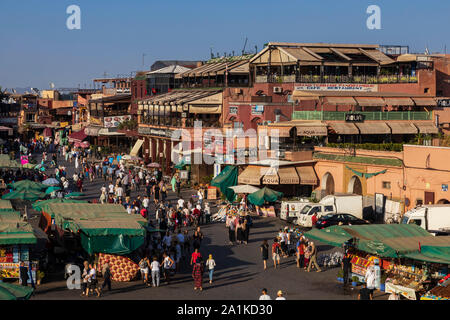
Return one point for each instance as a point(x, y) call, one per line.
point(337, 219)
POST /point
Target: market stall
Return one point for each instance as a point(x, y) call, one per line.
point(102, 228)
point(411, 261)
point(16, 238)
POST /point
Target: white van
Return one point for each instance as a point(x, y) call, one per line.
point(290, 210)
point(435, 218)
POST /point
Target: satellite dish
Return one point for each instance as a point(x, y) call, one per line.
point(52, 85)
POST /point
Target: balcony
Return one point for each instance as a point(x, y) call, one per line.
point(375, 115)
point(365, 79)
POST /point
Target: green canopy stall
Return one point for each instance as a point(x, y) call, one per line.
point(103, 228)
point(226, 178)
point(9, 291)
point(265, 194)
point(25, 194)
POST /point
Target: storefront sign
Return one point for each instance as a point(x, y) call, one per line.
point(113, 122)
point(257, 110)
point(337, 87)
point(443, 102)
point(312, 131)
point(233, 110)
point(155, 132)
point(63, 124)
point(354, 117)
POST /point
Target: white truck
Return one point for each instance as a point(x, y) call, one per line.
point(290, 210)
point(332, 204)
point(435, 218)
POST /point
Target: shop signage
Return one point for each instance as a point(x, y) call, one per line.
point(444, 187)
point(312, 131)
point(233, 110)
point(257, 109)
point(354, 117)
point(443, 102)
point(113, 122)
point(155, 132)
point(337, 87)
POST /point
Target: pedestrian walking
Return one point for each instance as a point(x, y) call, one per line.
point(346, 267)
point(143, 266)
point(167, 265)
point(106, 271)
point(265, 253)
point(155, 266)
point(313, 257)
point(92, 281)
point(276, 251)
point(300, 246)
point(197, 274)
point(210, 263)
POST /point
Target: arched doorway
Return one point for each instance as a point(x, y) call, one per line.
point(443, 201)
point(354, 186)
point(328, 184)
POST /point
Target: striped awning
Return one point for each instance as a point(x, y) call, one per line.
point(307, 175)
point(370, 102)
point(252, 175)
point(340, 101)
point(373, 128)
point(425, 102)
point(343, 128)
point(402, 128)
point(288, 175)
point(426, 127)
point(399, 101)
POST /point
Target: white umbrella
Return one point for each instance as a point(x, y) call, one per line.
point(50, 182)
point(245, 188)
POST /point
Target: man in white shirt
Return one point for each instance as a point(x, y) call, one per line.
point(103, 189)
point(75, 177)
point(111, 188)
point(264, 295)
point(180, 203)
point(145, 202)
point(119, 192)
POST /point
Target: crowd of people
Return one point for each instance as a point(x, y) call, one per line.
point(289, 243)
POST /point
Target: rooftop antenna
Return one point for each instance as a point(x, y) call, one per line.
point(245, 44)
point(256, 49)
point(211, 52)
point(232, 53)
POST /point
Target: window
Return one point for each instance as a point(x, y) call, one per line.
point(328, 208)
point(386, 184)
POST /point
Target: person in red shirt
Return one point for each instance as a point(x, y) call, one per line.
point(276, 250)
point(144, 213)
point(195, 255)
point(314, 219)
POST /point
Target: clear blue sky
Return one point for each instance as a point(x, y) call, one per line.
point(36, 47)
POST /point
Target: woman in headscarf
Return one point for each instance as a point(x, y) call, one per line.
point(197, 274)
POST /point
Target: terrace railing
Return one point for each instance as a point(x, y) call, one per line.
point(368, 115)
point(366, 79)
